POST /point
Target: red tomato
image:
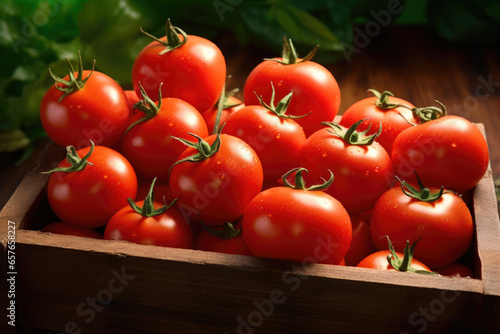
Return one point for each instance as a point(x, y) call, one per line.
point(361, 244)
point(449, 151)
point(68, 229)
point(132, 99)
point(455, 269)
point(275, 138)
point(362, 172)
point(161, 191)
point(382, 109)
point(89, 197)
point(314, 88)
point(98, 111)
point(167, 229)
point(216, 189)
point(444, 225)
point(232, 105)
point(194, 70)
point(228, 240)
point(150, 145)
point(378, 260)
point(298, 225)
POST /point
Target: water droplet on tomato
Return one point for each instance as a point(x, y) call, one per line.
point(454, 144)
point(377, 169)
point(367, 173)
point(324, 155)
point(278, 136)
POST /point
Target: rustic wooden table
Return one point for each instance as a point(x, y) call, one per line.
point(411, 62)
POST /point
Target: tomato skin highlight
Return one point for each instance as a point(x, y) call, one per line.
point(194, 72)
point(169, 229)
point(90, 197)
point(449, 151)
point(362, 173)
point(392, 121)
point(276, 141)
point(298, 225)
point(378, 260)
point(444, 226)
point(219, 188)
point(68, 229)
point(98, 112)
point(314, 89)
point(149, 145)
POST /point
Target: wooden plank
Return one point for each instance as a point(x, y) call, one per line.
point(488, 245)
point(197, 292)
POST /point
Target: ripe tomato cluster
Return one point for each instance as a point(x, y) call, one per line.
point(178, 162)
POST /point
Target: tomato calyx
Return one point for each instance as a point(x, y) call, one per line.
point(282, 106)
point(222, 103)
point(289, 54)
point(300, 183)
point(405, 263)
point(205, 150)
point(148, 208)
point(74, 83)
point(383, 100)
point(228, 231)
point(173, 40)
point(426, 114)
point(422, 193)
point(351, 135)
point(76, 163)
point(147, 106)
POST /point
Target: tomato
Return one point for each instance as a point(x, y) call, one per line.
point(392, 260)
point(162, 191)
point(362, 167)
point(68, 229)
point(98, 111)
point(150, 223)
point(315, 89)
point(382, 109)
point(361, 243)
point(449, 151)
point(274, 136)
point(232, 105)
point(455, 269)
point(216, 186)
point(378, 260)
point(442, 221)
point(190, 67)
point(228, 240)
point(149, 143)
point(90, 196)
point(297, 224)
point(132, 99)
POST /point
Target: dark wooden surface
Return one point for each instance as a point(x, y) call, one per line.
point(410, 61)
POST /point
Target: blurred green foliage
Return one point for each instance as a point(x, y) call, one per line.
point(36, 35)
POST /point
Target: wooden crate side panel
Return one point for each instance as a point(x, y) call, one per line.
point(159, 294)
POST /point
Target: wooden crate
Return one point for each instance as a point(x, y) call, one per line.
point(80, 285)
